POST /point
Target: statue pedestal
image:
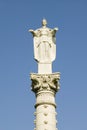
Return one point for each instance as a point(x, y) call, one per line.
point(44, 68)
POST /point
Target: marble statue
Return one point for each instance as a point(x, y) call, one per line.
point(44, 43)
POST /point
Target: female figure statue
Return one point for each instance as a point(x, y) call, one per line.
point(44, 43)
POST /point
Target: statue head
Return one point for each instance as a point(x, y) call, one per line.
point(44, 22)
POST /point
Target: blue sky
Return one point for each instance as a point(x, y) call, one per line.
point(16, 61)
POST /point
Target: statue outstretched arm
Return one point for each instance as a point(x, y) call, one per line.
point(55, 29)
point(53, 32)
point(32, 31)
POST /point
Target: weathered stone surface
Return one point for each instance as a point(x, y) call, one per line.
point(49, 82)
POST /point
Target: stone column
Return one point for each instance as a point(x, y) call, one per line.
point(45, 87)
point(45, 84)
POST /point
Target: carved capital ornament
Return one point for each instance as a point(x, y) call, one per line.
point(49, 82)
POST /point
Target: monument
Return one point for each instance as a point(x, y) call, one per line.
point(45, 84)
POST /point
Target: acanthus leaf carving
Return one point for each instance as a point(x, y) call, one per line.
point(42, 82)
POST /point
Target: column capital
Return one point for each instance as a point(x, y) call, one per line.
point(45, 82)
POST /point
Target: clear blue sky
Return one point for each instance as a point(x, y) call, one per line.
point(16, 61)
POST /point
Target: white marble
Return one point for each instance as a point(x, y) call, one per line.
point(45, 84)
point(44, 47)
point(45, 87)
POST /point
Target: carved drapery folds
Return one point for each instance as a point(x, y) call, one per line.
point(44, 43)
point(41, 82)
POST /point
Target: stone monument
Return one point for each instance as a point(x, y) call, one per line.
point(44, 47)
point(45, 84)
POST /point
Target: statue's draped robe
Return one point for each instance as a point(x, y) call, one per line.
point(44, 46)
